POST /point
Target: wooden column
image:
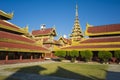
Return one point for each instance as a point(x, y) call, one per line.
point(44, 55)
point(21, 56)
point(6, 57)
point(39, 56)
point(31, 56)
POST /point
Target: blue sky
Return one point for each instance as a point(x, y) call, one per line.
point(61, 13)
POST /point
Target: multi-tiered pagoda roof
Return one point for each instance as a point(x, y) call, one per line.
point(76, 34)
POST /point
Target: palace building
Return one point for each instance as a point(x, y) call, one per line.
point(45, 38)
point(104, 37)
point(18, 45)
point(100, 38)
point(15, 46)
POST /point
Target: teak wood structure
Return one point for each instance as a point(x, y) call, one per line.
point(16, 44)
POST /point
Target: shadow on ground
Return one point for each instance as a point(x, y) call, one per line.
point(113, 75)
point(33, 73)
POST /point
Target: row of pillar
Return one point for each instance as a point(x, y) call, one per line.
point(21, 57)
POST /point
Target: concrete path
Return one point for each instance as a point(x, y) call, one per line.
point(113, 72)
point(25, 76)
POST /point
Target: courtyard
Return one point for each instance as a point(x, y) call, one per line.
point(50, 70)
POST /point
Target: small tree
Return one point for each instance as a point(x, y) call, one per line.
point(60, 53)
point(104, 56)
point(73, 55)
point(87, 55)
point(117, 55)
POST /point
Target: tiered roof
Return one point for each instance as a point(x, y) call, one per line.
point(5, 25)
point(104, 30)
point(96, 44)
point(109, 47)
point(76, 32)
point(9, 46)
point(65, 40)
point(12, 37)
point(43, 32)
point(14, 42)
point(101, 40)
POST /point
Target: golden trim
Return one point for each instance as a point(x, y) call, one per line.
point(104, 33)
point(7, 15)
point(103, 43)
point(93, 49)
point(22, 50)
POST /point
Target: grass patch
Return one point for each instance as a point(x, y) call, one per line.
point(67, 70)
point(6, 78)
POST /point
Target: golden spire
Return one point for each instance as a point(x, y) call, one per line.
point(76, 32)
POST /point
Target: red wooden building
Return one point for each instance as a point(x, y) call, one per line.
point(15, 46)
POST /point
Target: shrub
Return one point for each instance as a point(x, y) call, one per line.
point(87, 55)
point(73, 54)
point(60, 53)
point(104, 56)
point(117, 55)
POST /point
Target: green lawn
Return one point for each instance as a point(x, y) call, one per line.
point(67, 70)
point(10, 78)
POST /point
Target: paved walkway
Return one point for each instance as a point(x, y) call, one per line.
point(113, 72)
point(25, 76)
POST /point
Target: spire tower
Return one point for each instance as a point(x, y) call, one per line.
point(76, 34)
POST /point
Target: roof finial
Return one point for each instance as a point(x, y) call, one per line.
point(76, 10)
point(12, 13)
